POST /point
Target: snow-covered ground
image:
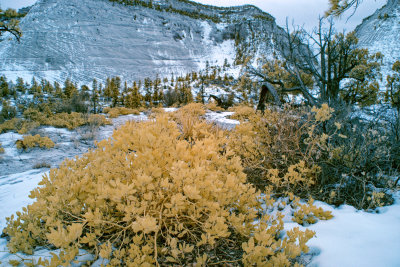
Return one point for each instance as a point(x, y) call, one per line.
point(351, 238)
point(356, 238)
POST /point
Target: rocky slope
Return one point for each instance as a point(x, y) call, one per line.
point(381, 33)
point(86, 39)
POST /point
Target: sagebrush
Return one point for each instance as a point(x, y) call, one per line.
point(151, 195)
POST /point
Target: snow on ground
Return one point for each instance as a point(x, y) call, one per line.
point(170, 109)
point(351, 238)
point(356, 238)
point(14, 191)
point(220, 118)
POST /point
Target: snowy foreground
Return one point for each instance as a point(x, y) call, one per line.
point(351, 238)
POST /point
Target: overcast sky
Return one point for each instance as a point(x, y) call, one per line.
point(302, 12)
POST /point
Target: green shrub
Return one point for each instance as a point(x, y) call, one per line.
point(147, 196)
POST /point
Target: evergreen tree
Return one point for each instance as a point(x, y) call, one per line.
point(4, 87)
point(392, 94)
point(108, 90)
point(57, 90)
point(20, 86)
point(84, 93)
point(124, 94)
point(95, 96)
point(115, 89)
point(148, 91)
point(137, 98)
point(338, 7)
point(134, 98)
point(69, 88)
point(158, 94)
point(9, 22)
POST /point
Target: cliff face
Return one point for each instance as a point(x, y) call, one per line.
point(381, 33)
point(86, 39)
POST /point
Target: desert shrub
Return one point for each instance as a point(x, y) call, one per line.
point(171, 98)
point(75, 104)
point(32, 114)
point(19, 125)
point(270, 146)
point(214, 107)
point(155, 111)
point(64, 120)
point(242, 112)
point(97, 120)
point(192, 109)
point(9, 125)
point(358, 165)
point(307, 213)
point(40, 165)
point(118, 111)
point(187, 119)
point(312, 153)
point(90, 130)
point(1, 149)
point(147, 196)
point(31, 141)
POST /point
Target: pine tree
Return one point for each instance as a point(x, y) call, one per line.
point(4, 87)
point(69, 88)
point(84, 93)
point(115, 88)
point(157, 92)
point(20, 86)
point(57, 90)
point(148, 91)
point(9, 22)
point(107, 93)
point(124, 94)
point(137, 98)
point(392, 94)
point(95, 96)
point(134, 98)
point(34, 85)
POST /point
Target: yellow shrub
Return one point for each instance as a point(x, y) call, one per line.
point(30, 141)
point(1, 149)
point(66, 120)
point(146, 196)
point(192, 109)
point(63, 120)
point(280, 148)
point(308, 212)
point(19, 125)
point(213, 107)
point(243, 113)
point(118, 111)
point(157, 110)
point(97, 120)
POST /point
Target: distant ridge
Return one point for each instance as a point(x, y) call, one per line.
point(86, 39)
point(380, 32)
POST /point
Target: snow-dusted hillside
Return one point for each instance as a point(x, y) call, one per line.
point(381, 33)
point(86, 39)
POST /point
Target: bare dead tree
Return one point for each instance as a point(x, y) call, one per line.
point(328, 58)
